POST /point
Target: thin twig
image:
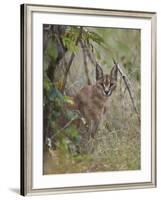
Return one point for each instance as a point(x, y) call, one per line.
point(85, 62)
point(71, 60)
point(90, 55)
point(127, 84)
point(66, 125)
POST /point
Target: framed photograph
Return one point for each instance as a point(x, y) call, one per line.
point(88, 99)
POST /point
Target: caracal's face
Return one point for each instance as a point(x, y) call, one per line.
point(106, 82)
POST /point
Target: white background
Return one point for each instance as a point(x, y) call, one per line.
point(10, 103)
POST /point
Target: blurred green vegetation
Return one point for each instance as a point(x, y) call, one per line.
point(124, 46)
point(117, 144)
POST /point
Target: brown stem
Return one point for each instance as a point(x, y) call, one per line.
point(70, 61)
point(84, 50)
point(90, 55)
point(127, 84)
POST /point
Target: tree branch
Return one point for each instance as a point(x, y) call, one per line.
point(127, 84)
point(85, 62)
point(71, 60)
point(90, 55)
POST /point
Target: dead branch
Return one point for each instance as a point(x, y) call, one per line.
point(85, 62)
point(66, 125)
point(127, 84)
point(90, 55)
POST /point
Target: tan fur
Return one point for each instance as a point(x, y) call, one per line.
point(92, 100)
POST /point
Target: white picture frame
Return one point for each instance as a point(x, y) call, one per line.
point(33, 181)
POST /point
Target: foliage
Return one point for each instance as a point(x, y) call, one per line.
point(113, 147)
point(59, 116)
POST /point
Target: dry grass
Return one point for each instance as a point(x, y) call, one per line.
point(116, 145)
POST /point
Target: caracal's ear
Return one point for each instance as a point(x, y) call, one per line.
point(113, 73)
point(99, 72)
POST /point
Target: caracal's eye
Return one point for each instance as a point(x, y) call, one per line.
point(111, 84)
point(102, 84)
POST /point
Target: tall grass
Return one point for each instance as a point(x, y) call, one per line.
point(116, 145)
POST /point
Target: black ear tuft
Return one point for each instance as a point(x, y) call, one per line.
point(99, 72)
point(114, 71)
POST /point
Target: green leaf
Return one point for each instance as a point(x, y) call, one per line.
point(70, 44)
point(72, 131)
point(51, 50)
point(96, 37)
point(55, 93)
point(69, 100)
point(69, 114)
point(63, 145)
point(47, 83)
point(55, 115)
